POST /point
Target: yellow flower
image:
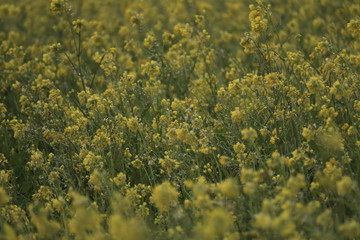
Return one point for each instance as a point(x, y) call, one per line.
point(164, 196)
point(150, 40)
point(46, 228)
point(44, 193)
point(96, 180)
point(58, 6)
point(224, 160)
point(5, 176)
point(136, 163)
point(239, 148)
point(249, 134)
point(331, 140)
point(85, 221)
point(357, 105)
point(257, 19)
point(338, 90)
point(92, 161)
point(78, 25)
point(133, 124)
point(308, 134)
point(250, 188)
point(344, 186)
point(4, 198)
point(237, 115)
point(127, 229)
point(229, 188)
point(9, 232)
point(350, 229)
point(263, 221)
point(217, 223)
point(325, 218)
point(273, 79)
point(120, 179)
point(136, 19)
point(354, 27)
point(3, 110)
point(57, 204)
point(315, 85)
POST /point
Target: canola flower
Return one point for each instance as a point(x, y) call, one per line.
point(164, 196)
point(198, 119)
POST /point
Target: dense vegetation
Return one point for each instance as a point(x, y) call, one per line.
point(179, 119)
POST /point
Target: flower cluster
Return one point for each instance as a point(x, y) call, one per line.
point(199, 119)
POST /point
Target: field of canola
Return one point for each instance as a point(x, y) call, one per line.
point(179, 119)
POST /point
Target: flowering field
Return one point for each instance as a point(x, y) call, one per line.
point(179, 119)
